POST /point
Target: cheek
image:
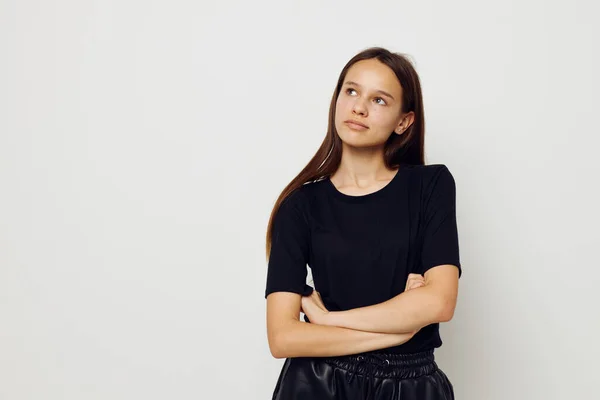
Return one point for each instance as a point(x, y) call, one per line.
point(340, 110)
point(386, 121)
point(340, 105)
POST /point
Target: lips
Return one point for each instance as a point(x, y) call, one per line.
point(353, 123)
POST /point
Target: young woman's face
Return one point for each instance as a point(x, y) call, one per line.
point(372, 96)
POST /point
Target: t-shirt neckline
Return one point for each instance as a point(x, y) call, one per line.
point(364, 197)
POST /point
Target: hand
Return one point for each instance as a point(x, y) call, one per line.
point(414, 281)
point(314, 308)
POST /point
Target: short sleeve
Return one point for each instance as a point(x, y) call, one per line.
point(287, 266)
point(440, 233)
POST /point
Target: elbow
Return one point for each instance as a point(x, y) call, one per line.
point(446, 310)
point(278, 344)
point(276, 350)
point(446, 315)
point(275, 346)
point(276, 353)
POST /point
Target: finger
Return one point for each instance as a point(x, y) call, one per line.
point(320, 298)
point(421, 281)
point(317, 298)
point(415, 284)
point(414, 276)
point(418, 281)
point(412, 281)
point(319, 301)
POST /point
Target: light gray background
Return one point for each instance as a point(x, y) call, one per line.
point(143, 144)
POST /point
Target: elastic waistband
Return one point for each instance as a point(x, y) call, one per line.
point(382, 365)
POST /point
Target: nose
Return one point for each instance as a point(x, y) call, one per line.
point(359, 108)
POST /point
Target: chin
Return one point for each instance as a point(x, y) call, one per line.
point(358, 141)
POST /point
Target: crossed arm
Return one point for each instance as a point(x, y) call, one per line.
point(409, 311)
point(362, 329)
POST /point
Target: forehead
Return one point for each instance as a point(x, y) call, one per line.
point(374, 75)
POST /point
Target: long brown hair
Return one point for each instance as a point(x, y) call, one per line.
point(399, 149)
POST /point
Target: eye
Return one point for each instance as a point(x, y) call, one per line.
point(379, 98)
point(349, 89)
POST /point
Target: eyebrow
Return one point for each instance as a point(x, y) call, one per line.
point(377, 91)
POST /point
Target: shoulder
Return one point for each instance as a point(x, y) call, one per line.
point(298, 201)
point(296, 207)
point(308, 193)
point(305, 198)
point(432, 183)
point(432, 175)
point(430, 170)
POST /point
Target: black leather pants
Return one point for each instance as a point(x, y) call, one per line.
point(368, 376)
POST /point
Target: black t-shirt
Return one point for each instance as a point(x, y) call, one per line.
point(361, 248)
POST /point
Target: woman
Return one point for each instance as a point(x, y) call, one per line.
point(378, 229)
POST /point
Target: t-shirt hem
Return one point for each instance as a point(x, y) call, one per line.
point(437, 263)
point(284, 289)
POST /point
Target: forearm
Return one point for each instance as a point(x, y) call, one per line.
point(407, 312)
point(301, 339)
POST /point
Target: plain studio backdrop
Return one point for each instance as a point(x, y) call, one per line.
point(143, 145)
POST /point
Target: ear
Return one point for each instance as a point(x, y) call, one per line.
point(405, 123)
